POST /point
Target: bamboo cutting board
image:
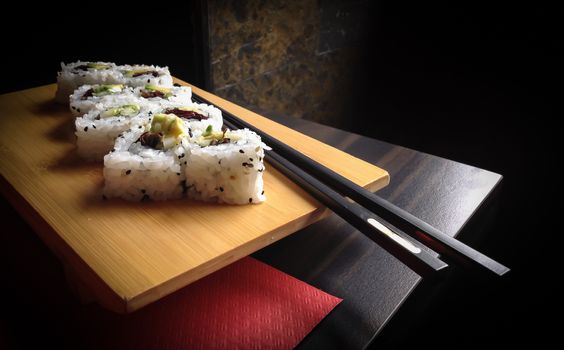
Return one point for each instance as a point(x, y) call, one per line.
point(126, 255)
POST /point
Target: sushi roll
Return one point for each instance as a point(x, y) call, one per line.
point(97, 130)
point(196, 116)
point(87, 97)
point(75, 74)
point(141, 75)
point(147, 161)
point(79, 73)
point(226, 167)
point(157, 93)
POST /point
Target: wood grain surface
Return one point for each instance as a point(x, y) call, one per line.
point(130, 254)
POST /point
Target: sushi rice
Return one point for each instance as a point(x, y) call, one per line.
point(97, 130)
point(135, 172)
point(155, 142)
point(229, 172)
point(73, 75)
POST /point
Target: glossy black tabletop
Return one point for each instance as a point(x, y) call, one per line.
point(333, 256)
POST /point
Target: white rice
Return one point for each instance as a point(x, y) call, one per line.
point(228, 173)
point(96, 133)
point(69, 78)
point(135, 172)
point(73, 75)
point(79, 106)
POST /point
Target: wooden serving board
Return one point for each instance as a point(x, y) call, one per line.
point(126, 255)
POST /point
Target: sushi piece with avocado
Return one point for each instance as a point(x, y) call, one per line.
point(159, 93)
point(147, 162)
point(226, 166)
point(73, 75)
point(97, 130)
point(87, 97)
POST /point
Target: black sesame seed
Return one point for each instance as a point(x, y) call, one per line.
point(128, 172)
point(73, 107)
point(94, 126)
point(78, 110)
point(86, 128)
point(241, 151)
point(148, 80)
point(143, 191)
point(140, 127)
point(221, 189)
point(181, 156)
point(250, 200)
point(262, 192)
point(251, 159)
point(98, 117)
point(185, 162)
point(219, 162)
point(113, 150)
point(178, 174)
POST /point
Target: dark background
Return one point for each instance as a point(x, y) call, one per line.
point(477, 84)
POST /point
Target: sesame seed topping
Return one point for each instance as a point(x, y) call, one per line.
point(85, 128)
point(128, 172)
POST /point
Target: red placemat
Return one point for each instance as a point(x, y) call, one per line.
point(246, 305)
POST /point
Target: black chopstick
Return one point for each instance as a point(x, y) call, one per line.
point(376, 229)
point(446, 245)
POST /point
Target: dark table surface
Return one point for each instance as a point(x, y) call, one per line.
point(331, 255)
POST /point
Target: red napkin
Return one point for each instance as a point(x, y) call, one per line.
point(246, 305)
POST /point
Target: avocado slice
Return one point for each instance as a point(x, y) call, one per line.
point(139, 72)
point(125, 111)
point(108, 89)
point(211, 137)
point(170, 126)
point(97, 66)
point(166, 91)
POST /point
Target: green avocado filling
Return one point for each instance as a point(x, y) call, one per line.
point(139, 72)
point(155, 88)
point(211, 138)
point(170, 126)
point(121, 111)
point(98, 66)
point(102, 90)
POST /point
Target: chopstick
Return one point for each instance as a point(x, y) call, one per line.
point(376, 229)
point(448, 246)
